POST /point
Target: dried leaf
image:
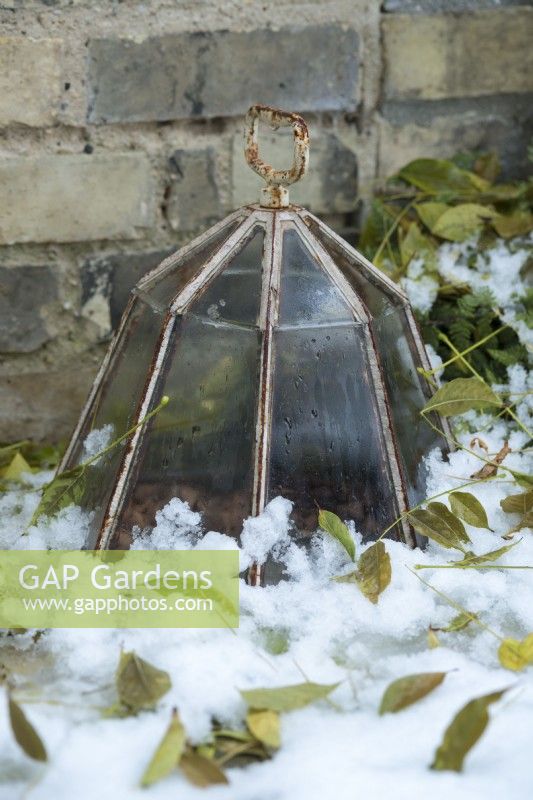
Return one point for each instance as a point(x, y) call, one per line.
point(286, 698)
point(430, 212)
point(480, 443)
point(471, 560)
point(333, 525)
point(463, 732)
point(167, 754)
point(16, 468)
point(458, 623)
point(525, 522)
point(436, 177)
point(518, 503)
point(433, 639)
point(460, 395)
point(516, 224)
point(373, 573)
point(139, 684)
point(406, 691)
point(490, 470)
point(25, 734)
point(515, 654)
point(462, 221)
point(201, 771)
point(438, 525)
point(264, 725)
point(469, 509)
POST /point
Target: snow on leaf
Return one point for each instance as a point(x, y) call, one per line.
point(201, 771)
point(25, 734)
point(139, 684)
point(406, 691)
point(460, 395)
point(332, 524)
point(515, 654)
point(468, 508)
point(167, 754)
point(373, 573)
point(463, 732)
point(264, 725)
point(286, 698)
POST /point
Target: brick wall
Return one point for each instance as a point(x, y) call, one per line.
point(120, 138)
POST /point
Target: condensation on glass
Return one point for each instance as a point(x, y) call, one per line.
point(291, 366)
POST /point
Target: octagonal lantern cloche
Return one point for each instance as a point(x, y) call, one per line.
point(290, 363)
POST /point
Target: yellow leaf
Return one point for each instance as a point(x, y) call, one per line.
point(168, 753)
point(515, 654)
point(16, 468)
point(264, 725)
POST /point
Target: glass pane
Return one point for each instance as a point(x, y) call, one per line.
point(115, 407)
point(375, 294)
point(200, 447)
point(234, 295)
point(307, 293)
point(162, 290)
point(406, 398)
point(327, 444)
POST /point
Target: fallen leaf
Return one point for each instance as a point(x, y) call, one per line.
point(139, 684)
point(463, 732)
point(480, 443)
point(469, 509)
point(25, 734)
point(430, 212)
point(458, 623)
point(286, 698)
point(201, 771)
point(436, 524)
point(167, 754)
point(373, 573)
point(461, 222)
point(518, 503)
point(490, 470)
point(16, 468)
point(438, 176)
point(406, 691)
point(515, 654)
point(472, 560)
point(515, 224)
point(264, 725)
point(333, 525)
point(460, 395)
point(433, 639)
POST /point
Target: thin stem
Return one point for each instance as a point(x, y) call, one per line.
point(472, 347)
point(396, 222)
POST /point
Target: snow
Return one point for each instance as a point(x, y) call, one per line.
point(421, 288)
point(330, 631)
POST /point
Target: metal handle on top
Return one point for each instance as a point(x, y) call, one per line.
point(275, 194)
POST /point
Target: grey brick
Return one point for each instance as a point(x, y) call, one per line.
point(25, 293)
point(441, 128)
point(29, 80)
point(446, 6)
point(106, 283)
point(222, 73)
point(194, 199)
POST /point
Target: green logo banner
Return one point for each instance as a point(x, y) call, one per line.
point(119, 589)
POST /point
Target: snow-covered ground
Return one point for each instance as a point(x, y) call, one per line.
point(307, 628)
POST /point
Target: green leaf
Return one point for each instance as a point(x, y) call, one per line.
point(471, 560)
point(518, 503)
point(286, 698)
point(264, 725)
point(459, 622)
point(460, 395)
point(139, 684)
point(25, 734)
point(406, 691)
point(515, 654)
point(437, 525)
point(201, 771)
point(468, 508)
point(461, 222)
point(373, 573)
point(437, 177)
point(167, 754)
point(430, 212)
point(516, 224)
point(415, 245)
point(16, 468)
point(64, 490)
point(488, 166)
point(463, 732)
point(330, 523)
point(525, 522)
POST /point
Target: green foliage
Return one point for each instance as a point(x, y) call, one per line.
point(432, 201)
